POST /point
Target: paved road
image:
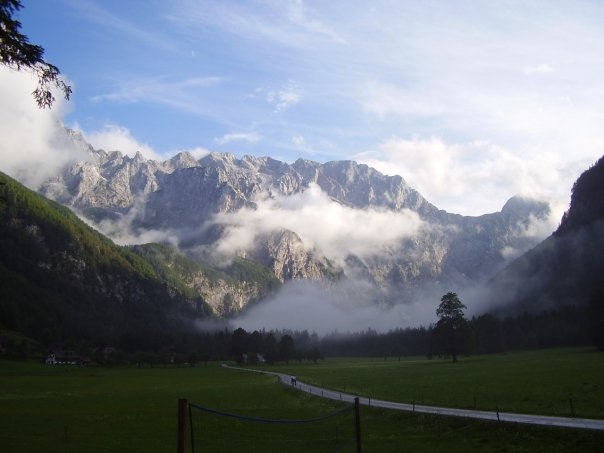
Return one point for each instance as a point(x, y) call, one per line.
point(565, 422)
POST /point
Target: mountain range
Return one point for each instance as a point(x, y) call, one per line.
point(211, 237)
point(332, 222)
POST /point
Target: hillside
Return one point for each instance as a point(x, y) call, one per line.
point(61, 281)
point(566, 268)
point(226, 291)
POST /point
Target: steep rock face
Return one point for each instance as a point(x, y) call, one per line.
point(227, 299)
point(360, 186)
point(191, 196)
point(185, 196)
point(481, 244)
point(111, 180)
point(223, 293)
point(285, 253)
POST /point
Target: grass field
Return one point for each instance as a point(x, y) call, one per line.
point(128, 409)
point(561, 382)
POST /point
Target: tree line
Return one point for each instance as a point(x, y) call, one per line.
point(484, 334)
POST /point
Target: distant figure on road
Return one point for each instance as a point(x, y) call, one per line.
point(293, 380)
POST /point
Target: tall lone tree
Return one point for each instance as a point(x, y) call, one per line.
point(451, 325)
point(17, 53)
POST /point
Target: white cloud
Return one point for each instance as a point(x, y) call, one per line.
point(118, 138)
point(284, 97)
point(539, 69)
point(188, 95)
point(298, 140)
point(34, 144)
point(346, 306)
point(323, 224)
point(121, 230)
point(251, 137)
point(464, 178)
point(299, 14)
point(156, 89)
point(385, 99)
point(300, 144)
point(154, 38)
point(289, 24)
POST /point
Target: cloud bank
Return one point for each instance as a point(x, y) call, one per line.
point(320, 222)
point(33, 147)
point(460, 177)
point(238, 137)
point(118, 138)
point(346, 307)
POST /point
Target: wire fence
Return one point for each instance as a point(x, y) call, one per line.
point(212, 430)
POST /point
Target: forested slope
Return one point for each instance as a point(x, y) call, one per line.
point(568, 267)
point(60, 280)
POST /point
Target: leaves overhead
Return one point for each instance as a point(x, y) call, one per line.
point(17, 53)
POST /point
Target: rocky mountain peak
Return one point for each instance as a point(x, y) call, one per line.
point(219, 160)
point(181, 160)
point(138, 158)
point(520, 206)
point(200, 202)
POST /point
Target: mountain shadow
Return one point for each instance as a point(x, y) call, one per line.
point(62, 281)
point(567, 269)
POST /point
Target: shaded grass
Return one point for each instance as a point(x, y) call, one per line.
point(68, 409)
point(560, 382)
point(391, 431)
point(44, 408)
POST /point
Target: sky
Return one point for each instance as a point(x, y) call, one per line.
point(471, 102)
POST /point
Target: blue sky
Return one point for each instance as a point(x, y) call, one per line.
point(471, 102)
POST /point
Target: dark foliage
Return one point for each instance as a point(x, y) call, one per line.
point(451, 333)
point(396, 343)
point(16, 52)
point(61, 281)
point(596, 319)
point(485, 334)
point(587, 200)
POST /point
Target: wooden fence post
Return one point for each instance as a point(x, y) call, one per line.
point(357, 423)
point(182, 424)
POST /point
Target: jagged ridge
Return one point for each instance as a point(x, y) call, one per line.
point(185, 196)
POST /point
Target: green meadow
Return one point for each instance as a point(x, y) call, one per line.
point(130, 409)
point(560, 382)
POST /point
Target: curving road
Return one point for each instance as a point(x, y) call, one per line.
point(544, 420)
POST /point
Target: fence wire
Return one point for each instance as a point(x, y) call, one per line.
point(213, 430)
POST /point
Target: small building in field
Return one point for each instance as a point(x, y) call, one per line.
point(253, 358)
point(51, 359)
point(66, 357)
